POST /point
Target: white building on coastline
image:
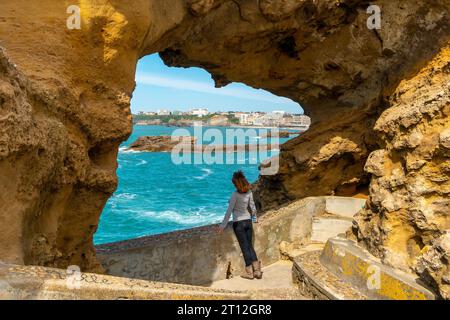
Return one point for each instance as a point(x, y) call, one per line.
point(163, 112)
point(243, 118)
point(147, 113)
point(300, 121)
point(277, 114)
point(273, 119)
point(199, 112)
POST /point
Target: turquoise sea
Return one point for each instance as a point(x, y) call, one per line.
point(156, 196)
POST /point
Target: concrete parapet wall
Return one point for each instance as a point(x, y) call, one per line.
point(201, 256)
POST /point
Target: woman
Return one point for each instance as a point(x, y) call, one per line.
point(239, 204)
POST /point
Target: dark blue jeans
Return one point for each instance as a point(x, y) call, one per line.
point(244, 234)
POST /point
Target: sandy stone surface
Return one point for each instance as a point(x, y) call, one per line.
point(277, 281)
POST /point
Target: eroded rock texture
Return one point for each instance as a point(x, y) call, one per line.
point(352, 85)
point(409, 208)
point(65, 109)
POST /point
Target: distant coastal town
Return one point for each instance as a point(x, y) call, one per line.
point(275, 118)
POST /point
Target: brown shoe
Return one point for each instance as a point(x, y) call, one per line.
point(248, 273)
point(257, 273)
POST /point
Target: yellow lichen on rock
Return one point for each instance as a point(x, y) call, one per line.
point(112, 31)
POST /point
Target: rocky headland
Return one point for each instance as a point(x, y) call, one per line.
point(161, 143)
point(280, 134)
point(187, 144)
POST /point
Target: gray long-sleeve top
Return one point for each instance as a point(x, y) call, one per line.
point(238, 204)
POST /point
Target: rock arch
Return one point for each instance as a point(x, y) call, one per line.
point(65, 109)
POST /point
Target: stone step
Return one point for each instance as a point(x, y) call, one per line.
point(275, 276)
point(291, 253)
point(277, 283)
point(324, 228)
point(343, 206)
point(356, 266)
point(317, 282)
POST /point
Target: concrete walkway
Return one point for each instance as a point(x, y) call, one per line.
point(276, 276)
point(276, 283)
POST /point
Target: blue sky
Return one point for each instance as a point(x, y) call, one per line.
point(162, 87)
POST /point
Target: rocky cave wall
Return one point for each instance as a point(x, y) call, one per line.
point(407, 220)
point(65, 98)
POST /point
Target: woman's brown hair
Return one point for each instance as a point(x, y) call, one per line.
point(240, 182)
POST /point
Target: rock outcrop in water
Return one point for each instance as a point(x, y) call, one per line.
point(161, 143)
point(188, 144)
point(65, 109)
point(279, 134)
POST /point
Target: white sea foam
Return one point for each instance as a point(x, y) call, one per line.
point(126, 150)
point(188, 219)
point(141, 163)
point(125, 196)
point(207, 173)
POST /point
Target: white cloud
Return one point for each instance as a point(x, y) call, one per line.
point(197, 86)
